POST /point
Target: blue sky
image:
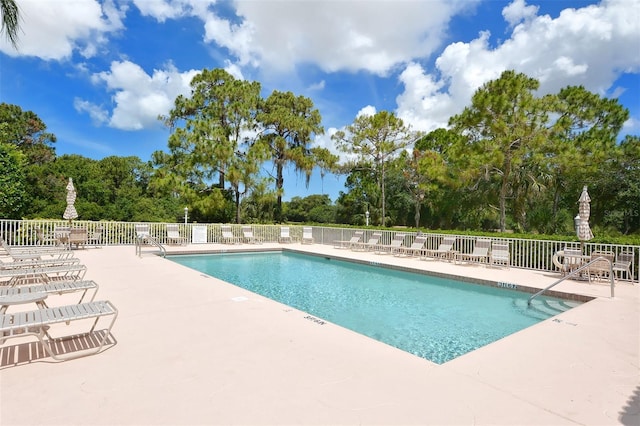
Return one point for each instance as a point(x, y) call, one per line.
point(99, 72)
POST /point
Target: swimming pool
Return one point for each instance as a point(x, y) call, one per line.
point(435, 318)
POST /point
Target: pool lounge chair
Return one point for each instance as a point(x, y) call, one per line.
point(500, 254)
point(480, 252)
point(415, 249)
point(248, 237)
point(444, 250)
point(355, 239)
point(33, 252)
point(228, 237)
point(307, 235)
point(284, 235)
point(142, 232)
point(369, 245)
point(37, 323)
point(173, 235)
point(393, 247)
point(56, 287)
point(34, 263)
point(42, 274)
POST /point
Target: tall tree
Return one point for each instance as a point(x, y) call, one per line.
point(10, 20)
point(289, 124)
point(209, 137)
point(374, 140)
point(503, 126)
point(582, 138)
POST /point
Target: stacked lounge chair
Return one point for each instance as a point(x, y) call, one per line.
point(33, 280)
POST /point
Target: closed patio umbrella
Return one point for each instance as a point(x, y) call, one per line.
point(70, 212)
point(584, 210)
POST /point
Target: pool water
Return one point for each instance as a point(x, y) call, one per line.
point(435, 318)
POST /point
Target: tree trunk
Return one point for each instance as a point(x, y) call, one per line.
point(279, 185)
point(384, 214)
point(417, 215)
point(237, 193)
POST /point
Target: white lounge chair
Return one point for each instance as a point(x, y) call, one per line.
point(369, 245)
point(173, 235)
point(55, 287)
point(38, 262)
point(355, 239)
point(33, 252)
point(500, 254)
point(414, 249)
point(285, 237)
point(37, 323)
point(444, 250)
point(392, 247)
point(307, 235)
point(480, 252)
point(228, 237)
point(142, 232)
point(248, 237)
point(43, 274)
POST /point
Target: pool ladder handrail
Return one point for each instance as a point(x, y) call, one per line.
point(152, 241)
point(575, 272)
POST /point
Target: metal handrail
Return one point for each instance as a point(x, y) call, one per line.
point(573, 273)
point(153, 241)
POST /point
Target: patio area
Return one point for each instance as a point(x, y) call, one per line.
point(191, 349)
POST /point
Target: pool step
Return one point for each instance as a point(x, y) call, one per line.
point(542, 308)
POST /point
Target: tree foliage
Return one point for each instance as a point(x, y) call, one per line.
point(511, 160)
point(374, 140)
point(289, 124)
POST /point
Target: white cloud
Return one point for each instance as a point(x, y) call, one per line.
point(368, 111)
point(139, 97)
point(342, 35)
point(518, 11)
point(53, 30)
point(589, 46)
point(347, 35)
point(98, 114)
point(317, 86)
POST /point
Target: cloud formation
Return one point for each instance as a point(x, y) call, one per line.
point(139, 98)
point(54, 30)
point(588, 46)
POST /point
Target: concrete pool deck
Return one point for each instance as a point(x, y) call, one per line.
point(190, 349)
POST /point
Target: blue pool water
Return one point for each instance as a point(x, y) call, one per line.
point(434, 318)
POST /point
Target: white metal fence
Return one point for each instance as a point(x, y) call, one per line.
point(524, 253)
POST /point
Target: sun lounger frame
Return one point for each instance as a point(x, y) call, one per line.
point(37, 322)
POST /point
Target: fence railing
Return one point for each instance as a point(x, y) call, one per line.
point(524, 253)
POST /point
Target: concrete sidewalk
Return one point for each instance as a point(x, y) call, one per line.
point(191, 349)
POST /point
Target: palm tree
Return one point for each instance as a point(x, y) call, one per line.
point(10, 20)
